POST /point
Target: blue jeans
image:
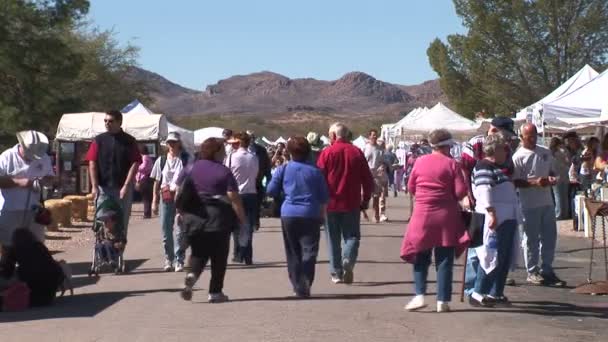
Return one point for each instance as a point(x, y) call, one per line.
point(444, 263)
point(493, 283)
point(245, 235)
point(106, 193)
point(343, 226)
point(471, 272)
point(540, 239)
point(560, 195)
point(174, 252)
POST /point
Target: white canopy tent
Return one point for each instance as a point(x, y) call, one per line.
point(137, 108)
point(86, 126)
point(281, 140)
point(582, 77)
point(437, 117)
point(266, 141)
point(588, 101)
point(200, 135)
point(360, 142)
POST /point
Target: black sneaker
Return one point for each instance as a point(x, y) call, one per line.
point(553, 280)
point(501, 301)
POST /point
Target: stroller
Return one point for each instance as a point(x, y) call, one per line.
point(109, 230)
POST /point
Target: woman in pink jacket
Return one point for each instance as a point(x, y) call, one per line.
point(436, 225)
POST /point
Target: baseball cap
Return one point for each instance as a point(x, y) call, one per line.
point(35, 144)
point(174, 136)
point(504, 123)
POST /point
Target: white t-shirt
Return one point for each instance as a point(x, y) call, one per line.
point(533, 164)
point(168, 175)
point(11, 164)
point(244, 166)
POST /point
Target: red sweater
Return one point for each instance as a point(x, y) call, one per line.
point(346, 172)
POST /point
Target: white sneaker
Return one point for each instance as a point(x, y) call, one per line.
point(217, 298)
point(383, 218)
point(443, 307)
point(336, 280)
point(188, 285)
point(179, 267)
point(416, 303)
point(168, 266)
point(348, 276)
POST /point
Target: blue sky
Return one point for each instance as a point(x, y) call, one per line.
point(196, 43)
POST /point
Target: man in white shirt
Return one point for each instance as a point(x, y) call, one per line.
point(533, 176)
point(26, 166)
point(244, 166)
point(374, 154)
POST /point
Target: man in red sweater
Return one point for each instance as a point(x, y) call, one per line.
point(347, 174)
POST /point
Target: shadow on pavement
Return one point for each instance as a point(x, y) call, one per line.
point(82, 268)
point(342, 296)
point(83, 305)
point(548, 308)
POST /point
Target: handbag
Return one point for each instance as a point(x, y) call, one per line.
point(167, 195)
point(474, 223)
point(15, 298)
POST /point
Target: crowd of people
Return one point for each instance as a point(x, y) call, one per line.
point(215, 197)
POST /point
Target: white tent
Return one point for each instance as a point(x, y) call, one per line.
point(266, 141)
point(325, 140)
point(360, 142)
point(582, 77)
point(86, 126)
point(187, 136)
point(200, 135)
point(588, 101)
point(439, 116)
point(409, 117)
point(280, 140)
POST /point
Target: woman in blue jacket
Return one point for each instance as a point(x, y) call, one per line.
point(302, 213)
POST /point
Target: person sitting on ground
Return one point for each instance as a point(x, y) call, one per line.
point(31, 261)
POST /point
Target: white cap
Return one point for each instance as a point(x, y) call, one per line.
point(174, 136)
point(34, 144)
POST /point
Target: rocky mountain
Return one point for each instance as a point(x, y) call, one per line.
point(270, 93)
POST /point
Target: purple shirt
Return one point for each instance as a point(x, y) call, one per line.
point(210, 178)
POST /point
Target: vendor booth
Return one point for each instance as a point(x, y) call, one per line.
point(75, 133)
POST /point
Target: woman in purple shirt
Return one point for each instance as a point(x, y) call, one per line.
point(302, 213)
point(209, 208)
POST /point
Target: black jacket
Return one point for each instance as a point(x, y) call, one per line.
point(114, 158)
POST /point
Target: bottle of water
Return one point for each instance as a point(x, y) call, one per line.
point(492, 240)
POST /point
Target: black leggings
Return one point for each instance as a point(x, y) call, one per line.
point(214, 246)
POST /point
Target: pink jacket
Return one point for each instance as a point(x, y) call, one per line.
point(438, 185)
point(144, 170)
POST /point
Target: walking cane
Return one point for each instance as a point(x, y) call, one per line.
point(464, 274)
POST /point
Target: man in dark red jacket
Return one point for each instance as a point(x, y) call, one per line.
point(347, 175)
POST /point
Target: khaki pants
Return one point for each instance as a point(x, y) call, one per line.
point(379, 197)
point(11, 220)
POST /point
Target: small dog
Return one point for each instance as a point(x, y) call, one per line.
point(67, 279)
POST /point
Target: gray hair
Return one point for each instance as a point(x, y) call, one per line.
point(339, 129)
point(492, 142)
point(439, 135)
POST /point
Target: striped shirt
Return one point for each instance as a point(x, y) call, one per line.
point(487, 173)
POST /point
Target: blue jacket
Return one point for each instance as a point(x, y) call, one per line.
point(304, 187)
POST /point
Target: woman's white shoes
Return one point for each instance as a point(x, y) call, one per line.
point(416, 303)
point(443, 307)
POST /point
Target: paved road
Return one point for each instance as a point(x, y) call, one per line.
point(145, 304)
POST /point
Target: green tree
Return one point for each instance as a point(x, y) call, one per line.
point(52, 62)
point(517, 51)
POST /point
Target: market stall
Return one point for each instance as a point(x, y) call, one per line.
point(75, 133)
